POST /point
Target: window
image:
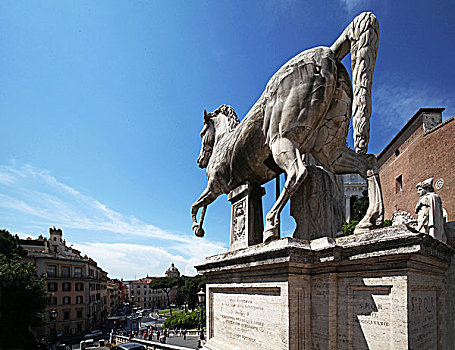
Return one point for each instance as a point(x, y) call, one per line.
point(53, 301)
point(397, 152)
point(399, 184)
point(79, 287)
point(66, 300)
point(52, 286)
point(78, 272)
point(51, 270)
point(79, 299)
point(65, 271)
point(66, 286)
point(66, 315)
point(79, 313)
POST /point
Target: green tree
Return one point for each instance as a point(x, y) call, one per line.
point(9, 245)
point(349, 227)
point(183, 320)
point(23, 297)
point(360, 206)
point(180, 298)
point(165, 284)
point(190, 287)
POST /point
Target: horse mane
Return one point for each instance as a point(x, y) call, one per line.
point(229, 112)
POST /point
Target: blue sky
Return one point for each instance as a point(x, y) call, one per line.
point(101, 107)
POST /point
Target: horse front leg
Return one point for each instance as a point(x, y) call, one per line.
point(207, 197)
point(346, 162)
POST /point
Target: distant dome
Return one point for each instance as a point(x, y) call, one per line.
point(172, 271)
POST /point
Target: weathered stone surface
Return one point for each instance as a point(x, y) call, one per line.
point(429, 211)
point(318, 205)
point(246, 216)
point(305, 109)
point(403, 218)
point(384, 289)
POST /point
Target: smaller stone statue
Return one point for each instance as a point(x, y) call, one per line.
point(430, 219)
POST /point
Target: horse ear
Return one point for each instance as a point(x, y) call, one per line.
point(206, 116)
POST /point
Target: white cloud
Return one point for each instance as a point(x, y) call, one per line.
point(351, 6)
point(35, 197)
point(394, 103)
point(133, 260)
point(43, 196)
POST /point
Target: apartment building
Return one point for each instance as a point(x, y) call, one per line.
point(78, 286)
point(140, 294)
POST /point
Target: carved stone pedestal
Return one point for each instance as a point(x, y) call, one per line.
point(318, 206)
point(384, 290)
point(246, 216)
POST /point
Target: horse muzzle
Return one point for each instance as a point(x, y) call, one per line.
point(200, 162)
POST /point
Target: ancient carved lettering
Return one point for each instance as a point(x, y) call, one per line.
point(371, 315)
point(241, 318)
point(423, 320)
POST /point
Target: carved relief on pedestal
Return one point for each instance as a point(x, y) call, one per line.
point(246, 216)
point(238, 220)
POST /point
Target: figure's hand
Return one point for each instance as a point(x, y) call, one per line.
point(198, 231)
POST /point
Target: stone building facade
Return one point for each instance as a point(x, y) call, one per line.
point(78, 286)
point(112, 297)
point(353, 185)
point(141, 295)
point(423, 148)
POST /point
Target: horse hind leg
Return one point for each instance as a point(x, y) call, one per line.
point(346, 161)
point(287, 156)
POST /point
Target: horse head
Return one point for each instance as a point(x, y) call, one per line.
point(216, 124)
point(208, 140)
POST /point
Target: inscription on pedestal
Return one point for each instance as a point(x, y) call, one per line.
point(370, 315)
point(320, 317)
point(247, 317)
point(423, 321)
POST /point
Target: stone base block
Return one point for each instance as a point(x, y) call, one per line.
point(385, 289)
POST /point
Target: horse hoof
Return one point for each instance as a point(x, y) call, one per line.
point(199, 232)
point(269, 235)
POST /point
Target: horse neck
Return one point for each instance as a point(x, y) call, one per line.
point(221, 125)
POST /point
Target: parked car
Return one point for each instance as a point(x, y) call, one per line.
point(93, 334)
point(129, 346)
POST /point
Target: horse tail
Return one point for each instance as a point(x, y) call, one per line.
point(361, 39)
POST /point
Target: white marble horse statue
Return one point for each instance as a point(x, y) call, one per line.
point(305, 109)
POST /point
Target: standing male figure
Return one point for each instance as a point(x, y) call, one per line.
point(430, 219)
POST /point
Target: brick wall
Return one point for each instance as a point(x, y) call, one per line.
point(421, 155)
